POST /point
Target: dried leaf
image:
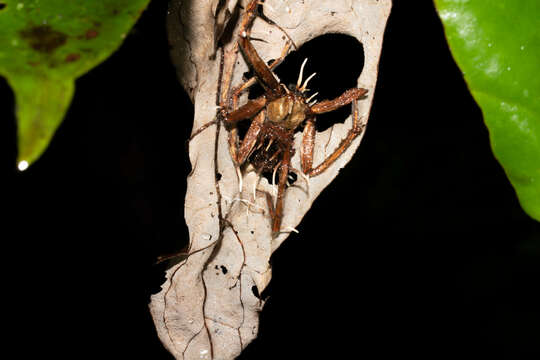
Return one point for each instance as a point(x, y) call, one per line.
point(207, 308)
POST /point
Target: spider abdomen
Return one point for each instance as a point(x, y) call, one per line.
point(274, 140)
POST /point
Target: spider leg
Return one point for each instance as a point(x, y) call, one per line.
point(264, 75)
point(239, 154)
point(308, 140)
point(308, 144)
point(250, 82)
point(278, 210)
point(346, 98)
point(250, 140)
point(231, 54)
point(270, 205)
point(200, 130)
point(244, 112)
point(255, 184)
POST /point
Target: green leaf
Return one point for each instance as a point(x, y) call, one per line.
point(44, 46)
point(497, 46)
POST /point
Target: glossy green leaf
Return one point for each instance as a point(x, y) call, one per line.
point(497, 46)
point(44, 46)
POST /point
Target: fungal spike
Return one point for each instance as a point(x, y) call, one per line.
point(303, 88)
point(300, 76)
point(274, 188)
point(240, 180)
point(312, 96)
point(269, 144)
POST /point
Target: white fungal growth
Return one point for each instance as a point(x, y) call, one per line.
point(299, 82)
point(304, 87)
point(312, 96)
point(240, 179)
point(274, 187)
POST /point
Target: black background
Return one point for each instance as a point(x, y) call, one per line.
point(419, 247)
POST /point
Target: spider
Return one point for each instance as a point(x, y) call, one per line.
point(275, 116)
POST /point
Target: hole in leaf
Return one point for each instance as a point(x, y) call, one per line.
point(256, 90)
point(262, 296)
point(292, 178)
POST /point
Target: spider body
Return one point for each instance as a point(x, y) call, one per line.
point(279, 120)
point(275, 116)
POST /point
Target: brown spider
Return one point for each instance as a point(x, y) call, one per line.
point(275, 116)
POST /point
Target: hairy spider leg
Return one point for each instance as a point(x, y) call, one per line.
point(250, 139)
point(308, 140)
point(251, 81)
point(247, 111)
point(282, 181)
point(264, 75)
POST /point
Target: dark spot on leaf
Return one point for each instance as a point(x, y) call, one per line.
point(2, 5)
point(90, 34)
point(224, 269)
point(218, 176)
point(43, 38)
point(73, 57)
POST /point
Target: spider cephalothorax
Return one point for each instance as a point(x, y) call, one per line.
point(288, 111)
point(291, 109)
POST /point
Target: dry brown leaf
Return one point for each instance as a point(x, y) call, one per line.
point(206, 308)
